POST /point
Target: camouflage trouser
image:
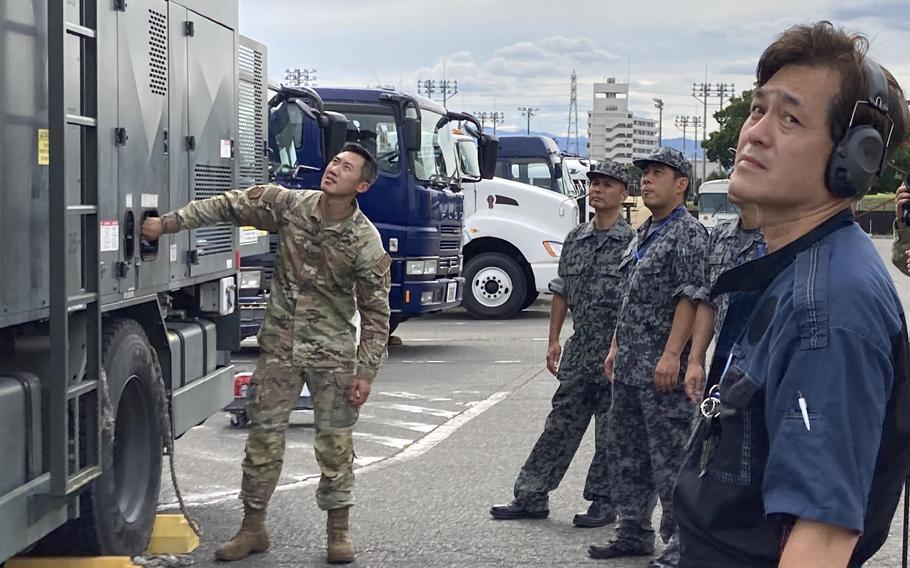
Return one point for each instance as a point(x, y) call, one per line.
point(580, 396)
point(275, 387)
point(646, 447)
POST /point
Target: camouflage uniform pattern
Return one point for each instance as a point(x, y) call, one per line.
point(669, 157)
point(614, 170)
point(729, 246)
point(899, 247)
point(324, 273)
point(648, 430)
point(590, 271)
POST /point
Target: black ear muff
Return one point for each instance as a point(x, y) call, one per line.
point(859, 155)
point(855, 162)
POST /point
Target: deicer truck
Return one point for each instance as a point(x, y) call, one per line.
point(111, 112)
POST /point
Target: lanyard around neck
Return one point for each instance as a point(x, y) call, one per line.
point(640, 251)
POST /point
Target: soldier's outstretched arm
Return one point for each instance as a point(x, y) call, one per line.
point(373, 281)
point(261, 206)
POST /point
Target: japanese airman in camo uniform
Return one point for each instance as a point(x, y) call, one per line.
point(330, 264)
point(731, 243)
point(663, 273)
point(588, 285)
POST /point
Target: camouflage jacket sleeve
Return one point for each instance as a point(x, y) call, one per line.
point(373, 280)
point(690, 265)
point(261, 206)
point(899, 247)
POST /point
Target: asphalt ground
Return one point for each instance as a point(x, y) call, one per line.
point(452, 417)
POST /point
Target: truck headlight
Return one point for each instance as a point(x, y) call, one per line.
point(250, 279)
point(554, 249)
point(422, 267)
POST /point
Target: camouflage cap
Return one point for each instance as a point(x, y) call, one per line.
point(669, 157)
point(610, 169)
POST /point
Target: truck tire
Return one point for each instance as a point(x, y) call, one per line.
point(118, 512)
point(530, 299)
point(496, 286)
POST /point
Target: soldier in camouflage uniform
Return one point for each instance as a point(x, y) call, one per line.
point(731, 243)
point(330, 264)
point(588, 284)
point(662, 275)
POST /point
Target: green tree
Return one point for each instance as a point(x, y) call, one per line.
point(731, 119)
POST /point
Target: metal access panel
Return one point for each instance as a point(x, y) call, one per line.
point(141, 139)
point(252, 131)
point(212, 134)
point(24, 159)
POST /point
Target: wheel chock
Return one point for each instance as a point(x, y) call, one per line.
point(72, 562)
point(172, 534)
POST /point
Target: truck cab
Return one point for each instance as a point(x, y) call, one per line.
point(512, 237)
point(415, 203)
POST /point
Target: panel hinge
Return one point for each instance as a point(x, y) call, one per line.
point(189, 29)
point(120, 5)
point(192, 257)
point(191, 143)
point(120, 136)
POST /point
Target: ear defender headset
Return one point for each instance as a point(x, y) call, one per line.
point(859, 155)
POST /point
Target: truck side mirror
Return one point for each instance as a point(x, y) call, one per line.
point(411, 131)
point(334, 134)
point(489, 154)
point(557, 169)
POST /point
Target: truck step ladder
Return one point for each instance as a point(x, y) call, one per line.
point(75, 308)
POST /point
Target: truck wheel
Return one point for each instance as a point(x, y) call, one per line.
point(530, 299)
point(497, 286)
point(118, 512)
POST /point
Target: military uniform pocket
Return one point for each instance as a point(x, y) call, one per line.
point(343, 414)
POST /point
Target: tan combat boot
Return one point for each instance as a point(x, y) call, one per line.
point(250, 539)
point(340, 548)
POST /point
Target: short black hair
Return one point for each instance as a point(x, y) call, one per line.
point(370, 170)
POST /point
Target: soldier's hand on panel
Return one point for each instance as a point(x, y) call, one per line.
point(152, 229)
point(359, 392)
point(554, 351)
point(695, 382)
point(666, 375)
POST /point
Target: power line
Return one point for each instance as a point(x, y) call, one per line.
point(528, 112)
point(659, 105)
point(429, 87)
point(494, 117)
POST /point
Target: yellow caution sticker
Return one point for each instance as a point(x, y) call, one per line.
point(44, 147)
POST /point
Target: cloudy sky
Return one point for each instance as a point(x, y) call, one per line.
point(509, 53)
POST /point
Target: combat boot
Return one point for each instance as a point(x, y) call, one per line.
point(250, 539)
point(339, 548)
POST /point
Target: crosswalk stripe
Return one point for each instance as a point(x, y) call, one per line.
point(419, 410)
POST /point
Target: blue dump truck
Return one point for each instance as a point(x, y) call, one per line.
point(415, 203)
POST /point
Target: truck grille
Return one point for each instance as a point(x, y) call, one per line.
point(449, 238)
point(448, 266)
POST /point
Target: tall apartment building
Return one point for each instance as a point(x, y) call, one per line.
point(614, 133)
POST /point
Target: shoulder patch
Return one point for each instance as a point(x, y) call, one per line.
point(382, 264)
point(255, 192)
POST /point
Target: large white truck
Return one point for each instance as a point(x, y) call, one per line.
point(713, 205)
point(513, 235)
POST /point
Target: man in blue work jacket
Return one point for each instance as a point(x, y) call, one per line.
point(803, 444)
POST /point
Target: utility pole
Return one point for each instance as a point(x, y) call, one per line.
point(426, 88)
point(573, 113)
point(659, 105)
point(722, 91)
point(429, 87)
point(482, 117)
point(702, 90)
point(494, 117)
point(528, 112)
point(682, 122)
point(300, 77)
point(696, 121)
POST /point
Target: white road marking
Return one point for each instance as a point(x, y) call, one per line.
point(406, 395)
point(415, 450)
point(365, 461)
point(418, 410)
point(506, 362)
point(388, 441)
point(415, 426)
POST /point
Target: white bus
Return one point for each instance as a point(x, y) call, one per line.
point(713, 205)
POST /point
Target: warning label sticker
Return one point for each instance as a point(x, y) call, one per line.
point(110, 236)
point(249, 235)
point(227, 149)
point(44, 147)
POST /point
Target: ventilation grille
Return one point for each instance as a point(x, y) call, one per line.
point(251, 135)
point(158, 53)
point(208, 182)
